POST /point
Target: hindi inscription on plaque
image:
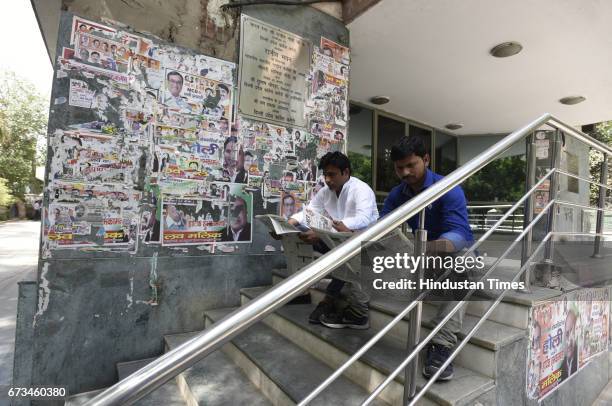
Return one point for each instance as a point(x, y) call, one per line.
point(273, 68)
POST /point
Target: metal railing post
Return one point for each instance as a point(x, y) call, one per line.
point(528, 216)
point(603, 180)
point(553, 194)
point(414, 326)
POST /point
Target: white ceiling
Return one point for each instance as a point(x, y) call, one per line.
point(431, 57)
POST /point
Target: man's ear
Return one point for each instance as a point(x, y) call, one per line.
point(426, 159)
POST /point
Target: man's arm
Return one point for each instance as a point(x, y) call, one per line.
point(455, 222)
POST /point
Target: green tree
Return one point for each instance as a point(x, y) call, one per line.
point(23, 123)
point(502, 180)
point(603, 133)
point(361, 166)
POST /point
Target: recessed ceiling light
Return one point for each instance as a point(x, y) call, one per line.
point(380, 100)
point(506, 49)
point(571, 100)
point(453, 126)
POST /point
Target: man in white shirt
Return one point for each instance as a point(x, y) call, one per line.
point(351, 204)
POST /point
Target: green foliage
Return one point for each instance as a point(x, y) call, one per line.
point(23, 121)
point(361, 166)
point(603, 133)
point(502, 180)
point(6, 198)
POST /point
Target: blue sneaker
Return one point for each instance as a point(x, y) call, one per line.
point(436, 356)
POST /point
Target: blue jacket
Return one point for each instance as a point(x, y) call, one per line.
point(445, 218)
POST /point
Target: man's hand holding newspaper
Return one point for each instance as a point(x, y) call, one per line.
point(278, 226)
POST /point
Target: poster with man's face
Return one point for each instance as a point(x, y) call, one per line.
point(289, 205)
point(564, 335)
point(225, 214)
point(334, 50)
point(99, 51)
point(189, 93)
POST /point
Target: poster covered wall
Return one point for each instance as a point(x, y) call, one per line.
point(145, 146)
point(564, 335)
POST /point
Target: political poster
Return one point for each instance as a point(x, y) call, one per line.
point(564, 335)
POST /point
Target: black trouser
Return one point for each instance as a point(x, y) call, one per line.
point(356, 297)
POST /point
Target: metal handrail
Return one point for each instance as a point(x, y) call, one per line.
point(592, 182)
point(482, 319)
point(450, 314)
point(175, 361)
point(582, 206)
point(579, 135)
point(422, 295)
point(489, 206)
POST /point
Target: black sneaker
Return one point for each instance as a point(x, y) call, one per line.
point(436, 356)
point(301, 299)
point(347, 319)
point(322, 308)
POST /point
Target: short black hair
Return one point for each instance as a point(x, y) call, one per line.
point(174, 73)
point(337, 159)
point(231, 138)
point(249, 153)
point(408, 146)
point(224, 87)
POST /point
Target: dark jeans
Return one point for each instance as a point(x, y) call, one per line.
point(356, 298)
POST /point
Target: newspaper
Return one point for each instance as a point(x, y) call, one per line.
point(278, 224)
point(317, 220)
point(312, 220)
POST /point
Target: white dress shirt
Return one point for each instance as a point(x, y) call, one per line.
point(355, 207)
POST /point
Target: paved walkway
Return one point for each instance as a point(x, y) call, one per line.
point(605, 398)
point(18, 260)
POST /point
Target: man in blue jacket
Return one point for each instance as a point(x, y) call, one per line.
point(448, 232)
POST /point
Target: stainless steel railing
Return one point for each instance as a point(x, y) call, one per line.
point(482, 217)
point(172, 363)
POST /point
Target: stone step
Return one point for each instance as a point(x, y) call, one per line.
point(513, 310)
point(167, 394)
point(335, 347)
point(491, 335)
point(282, 370)
point(478, 354)
point(82, 398)
point(216, 380)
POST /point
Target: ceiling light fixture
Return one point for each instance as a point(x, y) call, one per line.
point(571, 100)
point(380, 100)
point(453, 126)
point(506, 49)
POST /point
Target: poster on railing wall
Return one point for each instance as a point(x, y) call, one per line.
point(564, 335)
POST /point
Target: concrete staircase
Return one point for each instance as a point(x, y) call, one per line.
point(280, 360)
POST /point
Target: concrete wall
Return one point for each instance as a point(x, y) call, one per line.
point(93, 308)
